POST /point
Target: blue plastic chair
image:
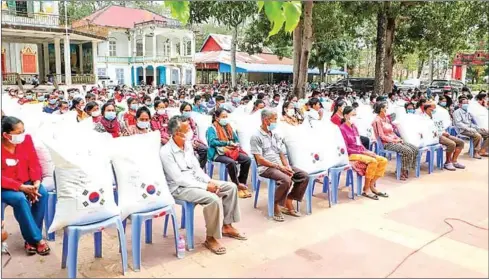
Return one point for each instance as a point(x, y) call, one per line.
point(310, 189)
point(187, 223)
point(350, 182)
point(137, 222)
point(334, 174)
point(271, 193)
point(72, 235)
point(223, 173)
point(385, 153)
point(453, 132)
point(373, 146)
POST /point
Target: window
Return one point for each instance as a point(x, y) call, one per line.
point(166, 49)
point(101, 72)
point(119, 74)
point(112, 48)
point(188, 77)
point(177, 48)
point(139, 48)
point(188, 48)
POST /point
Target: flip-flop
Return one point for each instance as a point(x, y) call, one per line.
point(219, 251)
point(381, 194)
point(278, 217)
point(235, 236)
point(242, 194)
point(370, 196)
point(293, 213)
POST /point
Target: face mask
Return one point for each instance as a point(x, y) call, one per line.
point(142, 124)
point(291, 112)
point(28, 97)
point(96, 113)
point(189, 136)
point(63, 111)
point(110, 115)
point(296, 105)
point(17, 139)
point(321, 99)
point(272, 126)
point(40, 99)
point(186, 114)
point(465, 107)
point(433, 111)
point(161, 111)
point(236, 100)
point(353, 119)
point(223, 122)
point(82, 107)
point(52, 101)
point(134, 107)
point(20, 96)
point(411, 111)
point(443, 104)
point(148, 104)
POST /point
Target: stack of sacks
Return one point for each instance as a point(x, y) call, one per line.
point(410, 128)
point(83, 176)
point(247, 125)
point(363, 121)
point(203, 122)
point(480, 115)
point(314, 149)
point(139, 174)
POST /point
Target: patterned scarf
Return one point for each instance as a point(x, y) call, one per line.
point(111, 126)
point(223, 134)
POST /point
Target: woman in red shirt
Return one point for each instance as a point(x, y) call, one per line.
point(21, 184)
point(338, 112)
point(159, 122)
point(130, 115)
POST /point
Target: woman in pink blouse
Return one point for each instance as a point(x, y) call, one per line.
point(375, 164)
point(385, 132)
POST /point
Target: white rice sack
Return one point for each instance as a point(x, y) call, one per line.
point(363, 121)
point(83, 178)
point(46, 162)
point(442, 118)
point(332, 144)
point(429, 132)
point(480, 115)
point(203, 122)
point(303, 149)
point(10, 106)
point(410, 129)
point(247, 125)
point(139, 174)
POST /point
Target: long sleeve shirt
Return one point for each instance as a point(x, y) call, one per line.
point(21, 166)
point(384, 130)
point(462, 120)
point(160, 123)
point(352, 139)
point(182, 169)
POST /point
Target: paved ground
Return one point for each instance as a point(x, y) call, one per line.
point(360, 238)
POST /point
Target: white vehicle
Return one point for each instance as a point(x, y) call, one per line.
point(412, 84)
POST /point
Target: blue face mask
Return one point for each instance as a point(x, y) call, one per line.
point(40, 99)
point(296, 105)
point(28, 97)
point(272, 126)
point(134, 106)
point(321, 99)
point(52, 101)
point(224, 122)
point(186, 114)
point(236, 100)
point(443, 104)
point(143, 124)
point(465, 107)
point(110, 115)
point(410, 111)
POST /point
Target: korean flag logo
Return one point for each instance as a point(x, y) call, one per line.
point(93, 197)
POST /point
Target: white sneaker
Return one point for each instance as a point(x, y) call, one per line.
point(450, 167)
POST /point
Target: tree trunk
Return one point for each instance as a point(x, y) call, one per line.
point(305, 50)
point(321, 74)
point(389, 51)
point(380, 51)
point(420, 67)
point(234, 38)
point(297, 39)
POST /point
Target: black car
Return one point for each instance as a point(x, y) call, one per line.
point(355, 84)
point(440, 86)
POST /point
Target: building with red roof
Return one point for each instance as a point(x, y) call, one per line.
point(141, 46)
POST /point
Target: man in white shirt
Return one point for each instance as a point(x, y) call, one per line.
point(188, 182)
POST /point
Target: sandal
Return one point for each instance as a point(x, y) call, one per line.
point(370, 196)
point(237, 236)
point(290, 212)
point(29, 249)
point(43, 249)
point(380, 194)
point(242, 194)
point(218, 251)
point(278, 217)
point(248, 193)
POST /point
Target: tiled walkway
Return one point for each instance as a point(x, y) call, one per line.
point(360, 238)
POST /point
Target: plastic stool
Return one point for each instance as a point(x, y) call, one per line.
point(187, 222)
point(349, 182)
point(49, 214)
point(271, 194)
point(310, 190)
point(223, 173)
point(334, 175)
point(72, 235)
point(137, 221)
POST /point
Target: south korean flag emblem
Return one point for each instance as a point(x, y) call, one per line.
point(93, 197)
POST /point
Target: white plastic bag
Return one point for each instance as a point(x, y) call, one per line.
point(139, 174)
point(203, 122)
point(480, 115)
point(410, 129)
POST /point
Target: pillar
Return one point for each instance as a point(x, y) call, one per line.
point(67, 54)
point(40, 61)
point(134, 46)
point(194, 74)
point(193, 46)
point(182, 74)
point(57, 57)
point(144, 45)
point(154, 47)
point(45, 50)
point(94, 64)
point(182, 47)
point(129, 44)
point(144, 74)
point(80, 51)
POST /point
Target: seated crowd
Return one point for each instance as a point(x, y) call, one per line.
point(184, 156)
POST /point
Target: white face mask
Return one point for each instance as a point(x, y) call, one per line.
point(161, 111)
point(96, 113)
point(189, 135)
point(17, 139)
point(291, 112)
point(353, 119)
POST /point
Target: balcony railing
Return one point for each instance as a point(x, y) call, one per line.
point(83, 79)
point(30, 19)
point(11, 79)
point(114, 59)
point(169, 23)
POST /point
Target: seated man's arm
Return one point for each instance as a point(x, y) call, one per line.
point(173, 172)
point(257, 151)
